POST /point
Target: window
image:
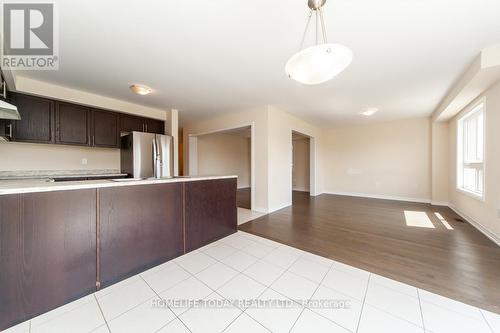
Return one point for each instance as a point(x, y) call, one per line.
point(470, 154)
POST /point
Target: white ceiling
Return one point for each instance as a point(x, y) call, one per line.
point(207, 57)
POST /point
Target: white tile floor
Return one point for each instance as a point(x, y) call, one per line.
point(245, 215)
point(246, 267)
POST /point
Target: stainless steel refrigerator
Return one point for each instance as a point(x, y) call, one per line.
point(147, 155)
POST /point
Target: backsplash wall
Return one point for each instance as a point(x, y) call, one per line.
point(26, 156)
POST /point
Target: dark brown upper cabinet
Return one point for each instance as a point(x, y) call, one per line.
point(48, 121)
point(130, 123)
point(37, 119)
point(155, 126)
point(105, 132)
point(73, 124)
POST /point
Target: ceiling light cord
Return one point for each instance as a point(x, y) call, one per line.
point(323, 25)
point(317, 27)
point(305, 31)
point(320, 24)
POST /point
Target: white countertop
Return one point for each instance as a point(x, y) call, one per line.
point(29, 186)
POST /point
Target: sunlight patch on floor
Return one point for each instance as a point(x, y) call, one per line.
point(418, 219)
point(443, 221)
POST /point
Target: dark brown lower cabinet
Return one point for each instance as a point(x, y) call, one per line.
point(47, 251)
point(210, 211)
point(139, 227)
point(57, 246)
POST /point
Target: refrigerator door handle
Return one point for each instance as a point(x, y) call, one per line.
point(160, 155)
point(155, 154)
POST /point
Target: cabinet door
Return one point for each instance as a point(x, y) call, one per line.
point(37, 119)
point(48, 251)
point(130, 123)
point(4, 127)
point(210, 211)
point(139, 227)
point(72, 124)
point(105, 131)
point(155, 126)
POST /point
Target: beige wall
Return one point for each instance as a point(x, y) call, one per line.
point(484, 214)
point(272, 151)
point(300, 171)
point(281, 125)
point(382, 160)
point(225, 154)
point(440, 167)
point(25, 156)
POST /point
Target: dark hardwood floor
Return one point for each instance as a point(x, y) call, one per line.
point(447, 257)
point(244, 198)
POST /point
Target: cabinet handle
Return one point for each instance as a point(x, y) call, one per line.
point(143, 127)
point(10, 131)
point(146, 127)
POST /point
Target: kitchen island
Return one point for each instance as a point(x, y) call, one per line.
point(62, 241)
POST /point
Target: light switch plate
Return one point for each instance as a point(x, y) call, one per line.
point(84, 161)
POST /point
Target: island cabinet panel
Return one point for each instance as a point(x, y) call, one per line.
point(139, 227)
point(47, 251)
point(210, 211)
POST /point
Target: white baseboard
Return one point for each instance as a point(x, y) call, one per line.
point(260, 210)
point(440, 203)
point(242, 187)
point(278, 207)
point(477, 225)
point(379, 196)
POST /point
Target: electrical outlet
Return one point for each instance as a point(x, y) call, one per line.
point(84, 161)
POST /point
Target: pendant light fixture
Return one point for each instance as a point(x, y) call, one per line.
point(321, 62)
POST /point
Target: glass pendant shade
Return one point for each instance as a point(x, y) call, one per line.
point(319, 63)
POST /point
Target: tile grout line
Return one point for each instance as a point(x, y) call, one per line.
point(312, 295)
point(269, 288)
point(420, 306)
point(102, 313)
point(487, 323)
point(363, 303)
point(335, 290)
point(159, 297)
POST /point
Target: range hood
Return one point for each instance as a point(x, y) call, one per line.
point(8, 111)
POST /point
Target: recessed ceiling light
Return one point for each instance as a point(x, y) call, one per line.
point(140, 89)
point(369, 112)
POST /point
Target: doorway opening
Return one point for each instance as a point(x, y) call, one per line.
point(301, 164)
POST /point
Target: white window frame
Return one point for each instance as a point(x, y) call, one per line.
point(478, 107)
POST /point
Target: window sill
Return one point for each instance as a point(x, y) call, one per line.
point(471, 194)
